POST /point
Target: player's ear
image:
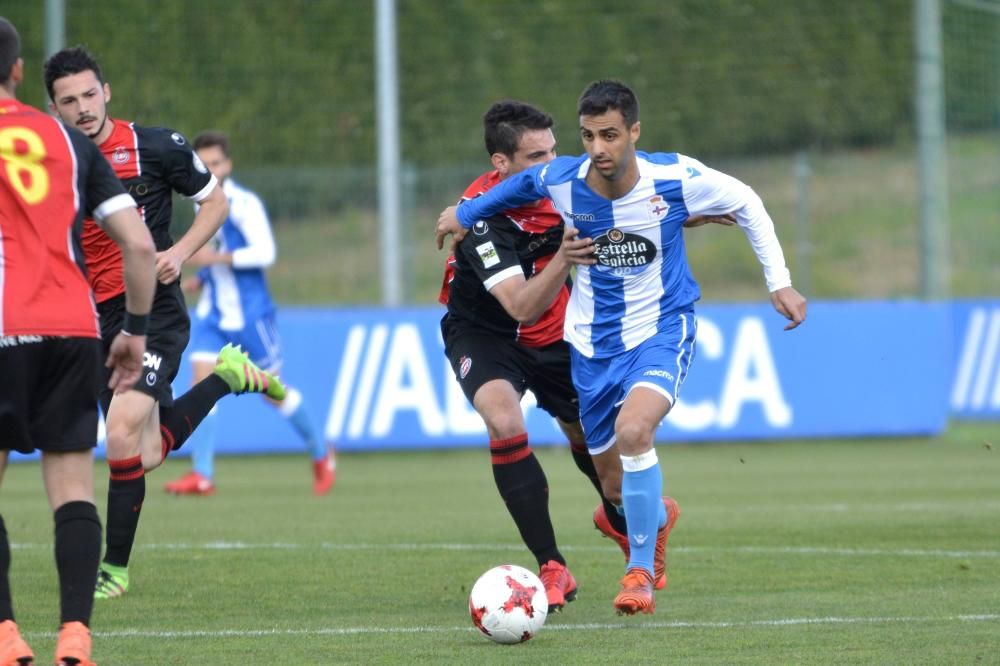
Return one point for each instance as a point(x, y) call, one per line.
point(634, 132)
point(107, 93)
point(17, 71)
point(500, 163)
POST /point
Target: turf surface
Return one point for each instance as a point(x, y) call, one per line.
point(874, 551)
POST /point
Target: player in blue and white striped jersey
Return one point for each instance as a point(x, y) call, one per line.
point(235, 307)
point(630, 319)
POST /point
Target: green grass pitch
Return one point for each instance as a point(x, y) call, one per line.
point(799, 552)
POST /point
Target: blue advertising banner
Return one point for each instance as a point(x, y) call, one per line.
point(377, 379)
point(976, 360)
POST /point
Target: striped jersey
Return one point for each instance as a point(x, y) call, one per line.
point(234, 296)
point(152, 163)
point(51, 177)
point(642, 274)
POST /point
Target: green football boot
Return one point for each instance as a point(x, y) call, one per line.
point(243, 376)
point(112, 581)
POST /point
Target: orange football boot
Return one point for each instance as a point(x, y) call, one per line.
point(636, 595)
point(13, 650)
point(604, 526)
point(73, 646)
point(560, 586)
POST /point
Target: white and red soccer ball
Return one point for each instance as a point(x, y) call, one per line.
point(508, 604)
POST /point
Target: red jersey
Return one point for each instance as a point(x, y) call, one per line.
point(151, 162)
point(50, 177)
point(521, 239)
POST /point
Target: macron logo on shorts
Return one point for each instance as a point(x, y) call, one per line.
point(659, 373)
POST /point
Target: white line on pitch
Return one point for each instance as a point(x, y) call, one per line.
point(946, 506)
point(750, 550)
point(590, 626)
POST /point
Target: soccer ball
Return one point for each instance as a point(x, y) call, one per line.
point(508, 604)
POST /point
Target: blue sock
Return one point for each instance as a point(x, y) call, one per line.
point(294, 411)
point(202, 446)
point(642, 490)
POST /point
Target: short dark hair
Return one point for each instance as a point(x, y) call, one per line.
point(506, 121)
point(68, 62)
point(212, 138)
point(606, 95)
point(10, 49)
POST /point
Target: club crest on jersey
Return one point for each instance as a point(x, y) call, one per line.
point(622, 253)
point(488, 254)
point(658, 208)
point(464, 365)
point(120, 156)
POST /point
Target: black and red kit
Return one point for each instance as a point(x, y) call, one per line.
point(521, 239)
point(482, 341)
point(152, 163)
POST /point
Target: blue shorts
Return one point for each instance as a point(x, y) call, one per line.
point(259, 339)
point(659, 363)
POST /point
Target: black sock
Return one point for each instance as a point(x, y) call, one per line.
point(126, 492)
point(6, 606)
point(78, 552)
point(524, 488)
point(585, 463)
point(178, 422)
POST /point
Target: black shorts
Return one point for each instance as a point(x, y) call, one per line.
point(48, 395)
point(478, 356)
point(169, 330)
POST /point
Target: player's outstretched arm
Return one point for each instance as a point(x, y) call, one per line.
point(139, 256)
point(212, 212)
point(513, 191)
point(790, 304)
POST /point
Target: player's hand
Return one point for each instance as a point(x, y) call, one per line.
point(168, 266)
point(579, 251)
point(791, 304)
point(125, 361)
point(448, 224)
point(726, 220)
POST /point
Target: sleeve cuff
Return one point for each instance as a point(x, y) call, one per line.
point(467, 224)
point(112, 206)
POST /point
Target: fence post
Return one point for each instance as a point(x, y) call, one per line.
point(932, 159)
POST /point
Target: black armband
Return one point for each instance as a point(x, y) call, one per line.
point(135, 324)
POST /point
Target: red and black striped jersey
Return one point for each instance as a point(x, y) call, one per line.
point(521, 239)
point(151, 162)
point(50, 177)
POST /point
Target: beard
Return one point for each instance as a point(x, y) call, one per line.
point(96, 133)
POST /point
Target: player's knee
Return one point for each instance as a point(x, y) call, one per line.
point(503, 424)
point(122, 441)
point(632, 437)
